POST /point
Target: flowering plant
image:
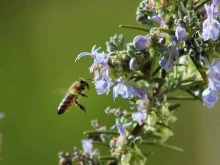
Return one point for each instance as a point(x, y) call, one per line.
point(179, 52)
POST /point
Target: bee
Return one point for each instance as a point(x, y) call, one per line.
point(74, 93)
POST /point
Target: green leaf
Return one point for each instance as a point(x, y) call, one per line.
point(180, 98)
point(168, 31)
point(101, 132)
point(164, 125)
point(171, 147)
point(137, 78)
point(137, 156)
point(192, 94)
point(201, 5)
point(106, 158)
point(156, 71)
point(100, 143)
point(201, 70)
point(152, 137)
point(173, 107)
point(126, 158)
point(148, 154)
point(191, 82)
point(134, 27)
point(159, 80)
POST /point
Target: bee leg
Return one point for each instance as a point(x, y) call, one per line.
point(83, 95)
point(80, 106)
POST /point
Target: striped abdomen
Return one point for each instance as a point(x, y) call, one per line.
point(65, 104)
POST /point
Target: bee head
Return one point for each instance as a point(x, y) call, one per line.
point(83, 83)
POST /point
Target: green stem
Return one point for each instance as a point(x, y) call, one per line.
point(152, 67)
point(160, 86)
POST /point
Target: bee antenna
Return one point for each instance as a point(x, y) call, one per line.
point(89, 79)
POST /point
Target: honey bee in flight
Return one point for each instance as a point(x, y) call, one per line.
point(74, 93)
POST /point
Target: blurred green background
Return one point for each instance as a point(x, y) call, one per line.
point(39, 42)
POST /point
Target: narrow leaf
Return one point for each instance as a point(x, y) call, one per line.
point(105, 158)
point(173, 107)
point(164, 125)
point(168, 31)
point(101, 132)
point(180, 98)
point(134, 27)
point(171, 147)
point(100, 143)
point(188, 83)
point(148, 154)
point(156, 71)
point(201, 70)
point(201, 5)
point(153, 137)
point(159, 80)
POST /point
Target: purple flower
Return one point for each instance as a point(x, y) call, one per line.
point(214, 74)
point(136, 92)
point(209, 97)
point(100, 59)
point(214, 80)
point(141, 42)
point(139, 116)
point(121, 129)
point(127, 91)
point(215, 3)
point(121, 89)
point(122, 137)
point(158, 19)
point(167, 60)
point(133, 64)
point(87, 146)
point(103, 85)
point(210, 26)
point(216, 66)
point(180, 33)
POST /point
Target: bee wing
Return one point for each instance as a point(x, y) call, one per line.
point(60, 91)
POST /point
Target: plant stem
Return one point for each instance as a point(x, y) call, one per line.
point(163, 76)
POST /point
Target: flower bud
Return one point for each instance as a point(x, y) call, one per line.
point(137, 140)
point(133, 64)
point(209, 97)
point(180, 33)
point(131, 137)
point(192, 52)
point(162, 41)
point(152, 118)
point(141, 42)
point(140, 18)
